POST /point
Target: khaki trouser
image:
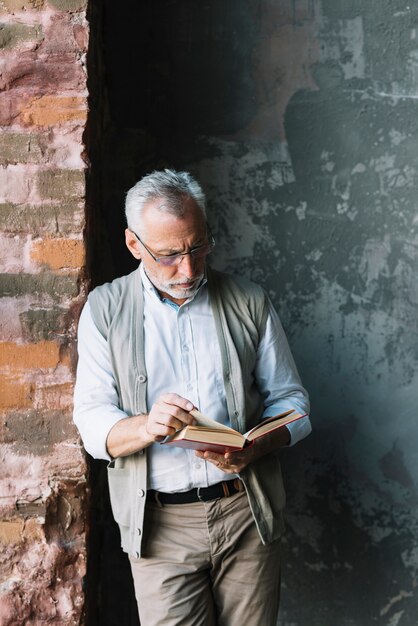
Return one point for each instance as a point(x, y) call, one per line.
point(204, 564)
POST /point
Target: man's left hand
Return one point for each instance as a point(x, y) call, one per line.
point(230, 462)
point(235, 462)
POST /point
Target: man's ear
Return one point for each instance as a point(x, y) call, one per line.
point(132, 244)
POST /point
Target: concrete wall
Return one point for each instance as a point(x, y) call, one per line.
point(43, 110)
point(300, 119)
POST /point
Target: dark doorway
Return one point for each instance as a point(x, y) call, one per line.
point(162, 73)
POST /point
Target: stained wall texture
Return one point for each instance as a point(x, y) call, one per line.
point(300, 118)
point(43, 110)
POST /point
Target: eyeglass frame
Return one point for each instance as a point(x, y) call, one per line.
point(178, 255)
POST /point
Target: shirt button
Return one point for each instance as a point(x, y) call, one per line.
point(138, 531)
point(142, 378)
point(141, 452)
point(137, 555)
point(141, 493)
point(198, 465)
point(185, 349)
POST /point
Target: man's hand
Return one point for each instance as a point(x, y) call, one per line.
point(231, 462)
point(168, 414)
point(236, 462)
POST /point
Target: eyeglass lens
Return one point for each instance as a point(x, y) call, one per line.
point(197, 253)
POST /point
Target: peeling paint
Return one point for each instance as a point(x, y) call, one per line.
point(344, 42)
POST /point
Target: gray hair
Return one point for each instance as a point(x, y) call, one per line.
point(168, 184)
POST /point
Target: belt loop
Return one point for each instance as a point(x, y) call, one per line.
point(225, 488)
point(157, 499)
point(237, 482)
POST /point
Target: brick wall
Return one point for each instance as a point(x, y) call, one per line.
point(43, 108)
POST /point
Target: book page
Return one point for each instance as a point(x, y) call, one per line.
point(207, 422)
point(272, 423)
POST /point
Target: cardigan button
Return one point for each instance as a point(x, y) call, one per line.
point(142, 378)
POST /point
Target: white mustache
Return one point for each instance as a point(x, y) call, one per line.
point(186, 280)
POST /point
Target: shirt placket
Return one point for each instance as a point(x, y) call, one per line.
point(197, 467)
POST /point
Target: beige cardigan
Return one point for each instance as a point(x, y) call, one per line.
point(240, 309)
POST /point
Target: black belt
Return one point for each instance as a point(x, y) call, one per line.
point(198, 494)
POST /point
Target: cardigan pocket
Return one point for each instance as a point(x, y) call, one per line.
point(120, 494)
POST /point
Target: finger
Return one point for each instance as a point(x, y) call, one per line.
point(234, 457)
point(217, 464)
point(221, 462)
point(223, 467)
point(176, 400)
point(175, 411)
point(213, 456)
point(166, 422)
point(157, 429)
point(163, 424)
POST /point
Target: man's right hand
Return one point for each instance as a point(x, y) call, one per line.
point(168, 414)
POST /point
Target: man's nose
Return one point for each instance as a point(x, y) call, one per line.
point(187, 265)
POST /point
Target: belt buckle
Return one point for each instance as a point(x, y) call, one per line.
point(199, 497)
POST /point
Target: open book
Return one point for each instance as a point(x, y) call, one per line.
point(207, 434)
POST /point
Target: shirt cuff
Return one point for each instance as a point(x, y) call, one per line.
point(299, 430)
point(94, 430)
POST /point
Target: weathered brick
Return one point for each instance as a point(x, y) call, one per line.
point(15, 184)
point(68, 5)
point(57, 287)
point(9, 105)
point(10, 6)
point(12, 253)
point(34, 530)
point(15, 394)
point(43, 107)
point(43, 324)
point(81, 36)
point(38, 75)
point(54, 110)
point(61, 184)
point(20, 148)
point(11, 531)
point(58, 254)
point(26, 508)
point(66, 33)
point(59, 396)
point(37, 431)
point(42, 355)
point(14, 35)
point(56, 218)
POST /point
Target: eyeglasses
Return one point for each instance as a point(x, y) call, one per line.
point(175, 259)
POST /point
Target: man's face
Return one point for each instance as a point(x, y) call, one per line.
point(164, 234)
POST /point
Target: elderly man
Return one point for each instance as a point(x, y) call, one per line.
point(202, 529)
